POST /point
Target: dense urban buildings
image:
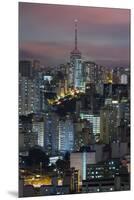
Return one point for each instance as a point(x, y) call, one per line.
point(74, 126)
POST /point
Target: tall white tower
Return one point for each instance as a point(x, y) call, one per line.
point(76, 63)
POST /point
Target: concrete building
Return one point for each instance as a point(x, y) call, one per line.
point(94, 121)
point(78, 75)
point(51, 132)
point(66, 135)
point(28, 96)
point(79, 160)
point(108, 124)
point(28, 140)
point(104, 185)
point(38, 127)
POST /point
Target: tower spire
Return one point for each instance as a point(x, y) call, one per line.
point(75, 21)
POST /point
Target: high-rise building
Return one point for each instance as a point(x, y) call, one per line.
point(39, 85)
point(25, 68)
point(66, 135)
point(91, 72)
point(28, 96)
point(115, 121)
point(82, 134)
point(75, 62)
point(79, 160)
point(124, 121)
point(78, 75)
point(109, 123)
point(94, 123)
point(38, 127)
point(25, 123)
point(26, 100)
point(51, 130)
point(27, 140)
point(70, 75)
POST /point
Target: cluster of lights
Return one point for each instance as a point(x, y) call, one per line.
point(37, 181)
point(57, 101)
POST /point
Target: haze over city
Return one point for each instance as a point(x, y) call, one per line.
point(46, 33)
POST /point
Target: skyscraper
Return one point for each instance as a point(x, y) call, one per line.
point(38, 127)
point(66, 135)
point(78, 74)
point(76, 63)
point(94, 120)
point(28, 96)
point(109, 123)
point(51, 122)
point(26, 93)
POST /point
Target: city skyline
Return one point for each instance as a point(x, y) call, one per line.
point(49, 37)
point(74, 100)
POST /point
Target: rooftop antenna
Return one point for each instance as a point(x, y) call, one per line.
point(75, 21)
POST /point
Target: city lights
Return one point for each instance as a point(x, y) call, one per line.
point(74, 104)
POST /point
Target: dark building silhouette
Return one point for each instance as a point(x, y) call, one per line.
point(25, 68)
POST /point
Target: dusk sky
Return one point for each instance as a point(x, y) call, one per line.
point(46, 33)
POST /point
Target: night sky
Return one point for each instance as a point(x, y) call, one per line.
point(46, 33)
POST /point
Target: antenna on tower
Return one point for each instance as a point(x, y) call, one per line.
point(75, 21)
